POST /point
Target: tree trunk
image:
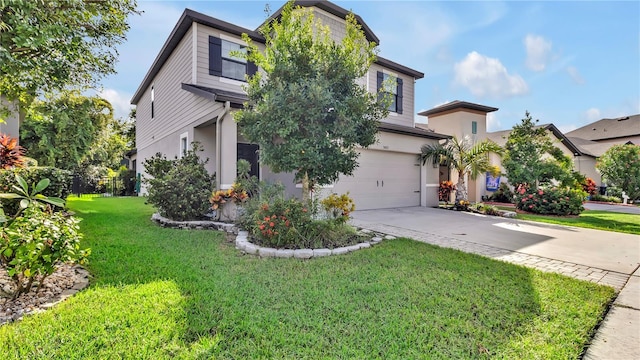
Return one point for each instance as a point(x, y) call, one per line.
point(305, 188)
point(461, 189)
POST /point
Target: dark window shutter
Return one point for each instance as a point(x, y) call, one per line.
point(251, 68)
point(379, 86)
point(215, 56)
point(399, 99)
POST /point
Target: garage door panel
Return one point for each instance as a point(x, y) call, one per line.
point(383, 179)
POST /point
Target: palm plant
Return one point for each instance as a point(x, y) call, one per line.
point(464, 157)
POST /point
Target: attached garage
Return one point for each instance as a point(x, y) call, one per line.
point(383, 179)
point(390, 174)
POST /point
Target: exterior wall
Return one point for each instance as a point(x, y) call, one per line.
point(408, 86)
point(459, 122)
point(201, 68)
point(11, 124)
point(586, 165)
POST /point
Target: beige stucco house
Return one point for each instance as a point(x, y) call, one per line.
point(10, 118)
point(194, 86)
point(461, 118)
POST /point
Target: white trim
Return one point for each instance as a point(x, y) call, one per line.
point(181, 151)
point(431, 185)
point(232, 81)
point(194, 53)
point(232, 39)
point(226, 186)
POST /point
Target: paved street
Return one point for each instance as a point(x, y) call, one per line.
point(629, 209)
point(603, 257)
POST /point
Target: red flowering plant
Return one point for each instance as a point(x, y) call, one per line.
point(233, 194)
point(11, 154)
point(280, 223)
point(589, 186)
point(445, 189)
point(550, 201)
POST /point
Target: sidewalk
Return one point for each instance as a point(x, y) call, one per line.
point(618, 337)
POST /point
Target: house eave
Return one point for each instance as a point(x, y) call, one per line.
point(458, 105)
point(411, 131)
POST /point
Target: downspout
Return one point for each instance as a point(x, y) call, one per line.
point(224, 113)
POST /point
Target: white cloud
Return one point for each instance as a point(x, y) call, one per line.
point(493, 123)
point(566, 128)
point(119, 101)
point(538, 52)
point(575, 75)
point(487, 77)
point(593, 114)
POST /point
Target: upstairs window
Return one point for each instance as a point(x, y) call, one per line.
point(222, 63)
point(392, 85)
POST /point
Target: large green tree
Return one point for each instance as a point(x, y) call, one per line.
point(464, 157)
point(532, 159)
point(620, 166)
point(306, 110)
point(47, 46)
point(70, 130)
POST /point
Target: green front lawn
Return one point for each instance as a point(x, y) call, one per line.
point(163, 293)
point(593, 219)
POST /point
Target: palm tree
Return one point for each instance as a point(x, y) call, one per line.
point(463, 157)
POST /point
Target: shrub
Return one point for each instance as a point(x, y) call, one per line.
point(244, 181)
point(338, 207)
point(486, 209)
point(11, 154)
point(59, 183)
point(444, 190)
point(281, 223)
point(589, 186)
point(551, 201)
point(179, 189)
point(604, 198)
point(503, 194)
point(36, 239)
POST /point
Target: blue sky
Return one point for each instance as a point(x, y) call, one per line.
point(568, 63)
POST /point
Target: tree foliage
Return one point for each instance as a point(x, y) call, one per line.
point(72, 131)
point(532, 159)
point(464, 157)
point(306, 110)
point(47, 46)
point(620, 167)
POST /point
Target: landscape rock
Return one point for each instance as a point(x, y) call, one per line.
point(303, 253)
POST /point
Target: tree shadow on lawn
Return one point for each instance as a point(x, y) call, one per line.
point(192, 294)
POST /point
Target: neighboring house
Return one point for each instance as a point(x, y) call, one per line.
point(461, 118)
point(10, 118)
point(194, 86)
point(622, 130)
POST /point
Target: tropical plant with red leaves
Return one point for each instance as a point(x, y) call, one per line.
point(11, 154)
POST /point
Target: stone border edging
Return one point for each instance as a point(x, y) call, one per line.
point(195, 225)
point(243, 244)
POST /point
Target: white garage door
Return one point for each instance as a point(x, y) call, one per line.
point(383, 179)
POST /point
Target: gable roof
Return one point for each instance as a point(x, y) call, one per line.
point(457, 104)
point(330, 8)
point(589, 147)
point(500, 138)
point(609, 129)
point(189, 17)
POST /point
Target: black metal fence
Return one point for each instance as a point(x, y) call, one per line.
point(126, 184)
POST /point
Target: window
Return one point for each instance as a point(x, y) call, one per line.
point(153, 97)
point(474, 127)
point(390, 84)
point(184, 144)
point(223, 63)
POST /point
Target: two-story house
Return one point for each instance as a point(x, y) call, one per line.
point(194, 86)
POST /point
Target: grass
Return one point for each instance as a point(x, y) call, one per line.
point(163, 293)
point(593, 219)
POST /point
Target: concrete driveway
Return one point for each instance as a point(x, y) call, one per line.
point(594, 248)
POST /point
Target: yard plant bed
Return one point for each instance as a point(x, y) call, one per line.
point(161, 293)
